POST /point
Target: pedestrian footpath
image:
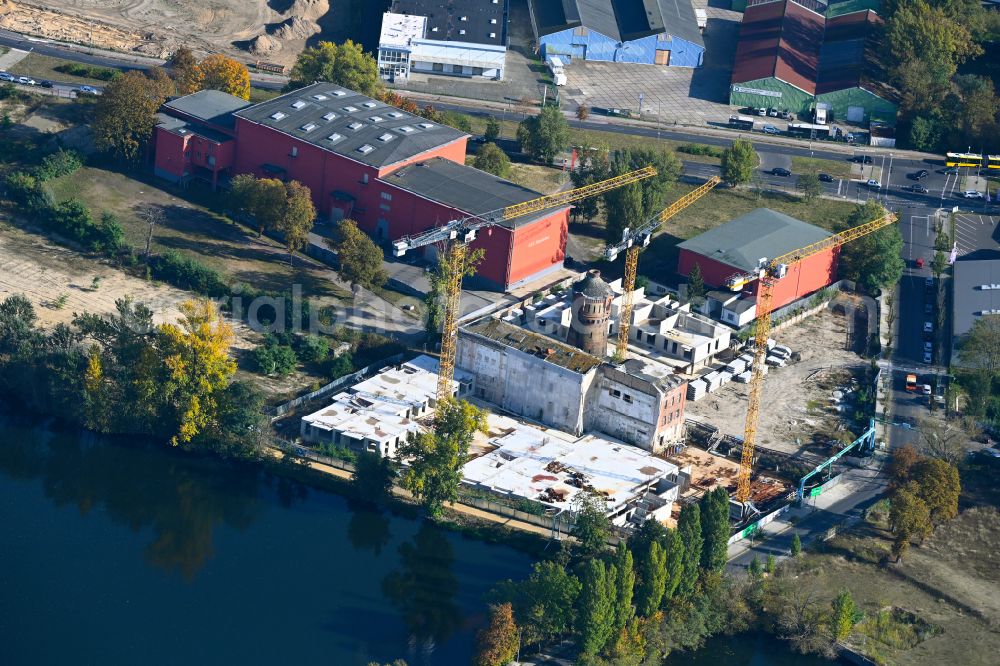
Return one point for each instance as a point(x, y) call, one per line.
point(11, 58)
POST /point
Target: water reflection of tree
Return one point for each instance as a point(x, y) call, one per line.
point(181, 498)
point(425, 586)
point(368, 528)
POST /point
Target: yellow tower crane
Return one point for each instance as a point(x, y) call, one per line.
point(457, 234)
point(767, 276)
point(634, 240)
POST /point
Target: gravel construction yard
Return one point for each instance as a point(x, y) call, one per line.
point(797, 397)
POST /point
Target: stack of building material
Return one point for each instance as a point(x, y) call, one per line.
point(714, 381)
point(697, 389)
point(746, 358)
point(725, 377)
point(743, 377)
point(737, 366)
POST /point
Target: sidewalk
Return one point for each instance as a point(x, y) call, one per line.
point(11, 58)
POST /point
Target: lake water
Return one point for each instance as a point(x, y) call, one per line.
point(120, 553)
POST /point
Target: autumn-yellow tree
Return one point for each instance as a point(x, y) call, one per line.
point(498, 642)
point(225, 74)
point(126, 115)
point(197, 366)
point(93, 386)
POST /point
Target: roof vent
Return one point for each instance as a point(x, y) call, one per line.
point(329, 116)
point(365, 149)
point(278, 115)
point(298, 104)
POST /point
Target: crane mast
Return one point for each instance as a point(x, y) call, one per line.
point(458, 233)
point(634, 240)
point(768, 276)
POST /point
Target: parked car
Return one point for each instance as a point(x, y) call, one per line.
point(928, 327)
point(928, 308)
point(761, 111)
point(772, 113)
point(874, 184)
point(26, 80)
point(928, 346)
point(919, 263)
point(863, 159)
point(86, 90)
point(923, 173)
point(4, 76)
point(950, 171)
point(785, 115)
point(771, 129)
point(972, 194)
point(826, 178)
point(928, 358)
point(45, 84)
point(778, 171)
point(929, 282)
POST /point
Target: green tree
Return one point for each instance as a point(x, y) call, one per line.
point(596, 614)
point(344, 64)
point(492, 131)
point(770, 563)
point(436, 457)
point(689, 530)
point(811, 186)
point(592, 527)
point(184, 69)
point(297, 217)
point(939, 486)
point(926, 133)
point(909, 518)
point(623, 206)
point(980, 347)
point(755, 569)
point(544, 604)
point(125, 115)
point(738, 163)
point(492, 160)
point(874, 260)
point(652, 580)
point(497, 643)
point(714, 529)
point(674, 549)
point(696, 286)
point(844, 614)
point(939, 264)
point(275, 359)
point(544, 135)
point(17, 325)
point(360, 258)
point(796, 545)
point(373, 476)
point(448, 264)
point(263, 199)
point(624, 586)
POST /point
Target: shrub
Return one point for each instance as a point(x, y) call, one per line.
point(187, 273)
point(314, 349)
point(88, 71)
point(59, 163)
point(700, 149)
point(273, 359)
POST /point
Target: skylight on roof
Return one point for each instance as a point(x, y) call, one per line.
point(319, 97)
point(308, 127)
point(365, 149)
point(427, 125)
point(333, 138)
point(338, 93)
point(369, 105)
point(278, 115)
point(298, 104)
point(406, 129)
point(329, 116)
point(376, 119)
point(394, 114)
point(356, 126)
point(385, 138)
point(351, 109)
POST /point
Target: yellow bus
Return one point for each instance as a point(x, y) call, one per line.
point(993, 161)
point(964, 160)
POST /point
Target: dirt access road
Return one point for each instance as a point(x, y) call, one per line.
point(271, 30)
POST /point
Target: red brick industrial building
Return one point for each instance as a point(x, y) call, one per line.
point(395, 173)
point(737, 247)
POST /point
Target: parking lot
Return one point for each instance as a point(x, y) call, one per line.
point(977, 233)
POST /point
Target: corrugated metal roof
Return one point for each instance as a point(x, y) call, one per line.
point(620, 20)
point(760, 233)
point(849, 57)
point(350, 124)
point(779, 39)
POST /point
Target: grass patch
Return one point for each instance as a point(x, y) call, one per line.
point(539, 178)
point(194, 231)
point(815, 165)
point(41, 67)
point(258, 95)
